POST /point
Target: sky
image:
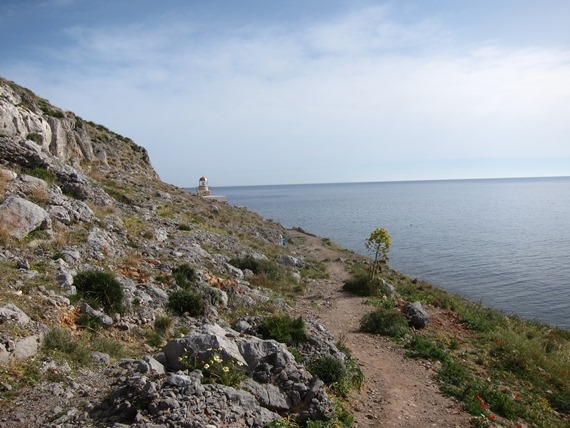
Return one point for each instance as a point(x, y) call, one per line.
point(255, 92)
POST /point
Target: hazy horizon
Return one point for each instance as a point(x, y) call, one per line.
point(382, 181)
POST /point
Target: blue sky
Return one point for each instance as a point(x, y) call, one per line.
point(284, 92)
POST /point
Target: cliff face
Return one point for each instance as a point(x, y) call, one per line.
point(83, 145)
point(78, 202)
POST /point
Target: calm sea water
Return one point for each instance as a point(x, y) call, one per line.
point(504, 243)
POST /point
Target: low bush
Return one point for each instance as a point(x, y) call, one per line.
point(385, 322)
point(268, 274)
point(561, 401)
point(35, 137)
point(354, 375)
point(363, 285)
point(327, 368)
point(185, 275)
point(284, 329)
point(154, 339)
point(100, 289)
point(186, 301)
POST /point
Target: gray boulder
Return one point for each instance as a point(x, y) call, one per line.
point(289, 261)
point(20, 216)
point(105, 319)
point(417, 315)
point(203, 343)
point(19, 349)
point(10, 312)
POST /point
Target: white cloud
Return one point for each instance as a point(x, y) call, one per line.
point(334, 94)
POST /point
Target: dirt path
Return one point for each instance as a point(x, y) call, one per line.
point(398, 391)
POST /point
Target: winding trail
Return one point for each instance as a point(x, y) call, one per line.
point(397, 391)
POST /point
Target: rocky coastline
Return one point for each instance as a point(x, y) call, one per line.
point(129, 302)
point(76, 197)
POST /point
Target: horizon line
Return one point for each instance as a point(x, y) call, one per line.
point(393, 181)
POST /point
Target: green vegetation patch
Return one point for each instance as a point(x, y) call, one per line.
point(497, 365)
point(60, 343)
point(364, 285)
point(42, 173)
point(100, 289)
point(186, 301)
point(185, 275)
point(386, 322)
point(314, 269)
point(329, 369)
point(284, 329)
point(268, 274)
point(215, 368)
point(258, 266)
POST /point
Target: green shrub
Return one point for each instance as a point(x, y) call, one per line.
point(268, 274)
point(153, 339)
point(296, 352)
point(327, 368)
point(101, 289)
point(284, 329)
point(561, 401)
point(186, 301)
point(352, 377)
point(363, 285)
point(314, 269)
point(185, 275)
point(385, 322)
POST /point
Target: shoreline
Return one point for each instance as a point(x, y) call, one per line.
point(475, 340)
point(494, 243)
point(441, 287)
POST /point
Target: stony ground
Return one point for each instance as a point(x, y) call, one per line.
point(398, 391)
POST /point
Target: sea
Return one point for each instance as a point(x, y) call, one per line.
point(504, 243)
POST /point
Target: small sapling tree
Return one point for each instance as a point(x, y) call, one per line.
point(378, 242)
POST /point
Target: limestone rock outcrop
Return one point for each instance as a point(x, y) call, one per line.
point(20, 217)
point(65, 136)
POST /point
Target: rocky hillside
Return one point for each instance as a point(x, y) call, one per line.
point(125, 300)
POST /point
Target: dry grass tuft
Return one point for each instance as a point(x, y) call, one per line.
point(4, 180)
point(39, 195)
